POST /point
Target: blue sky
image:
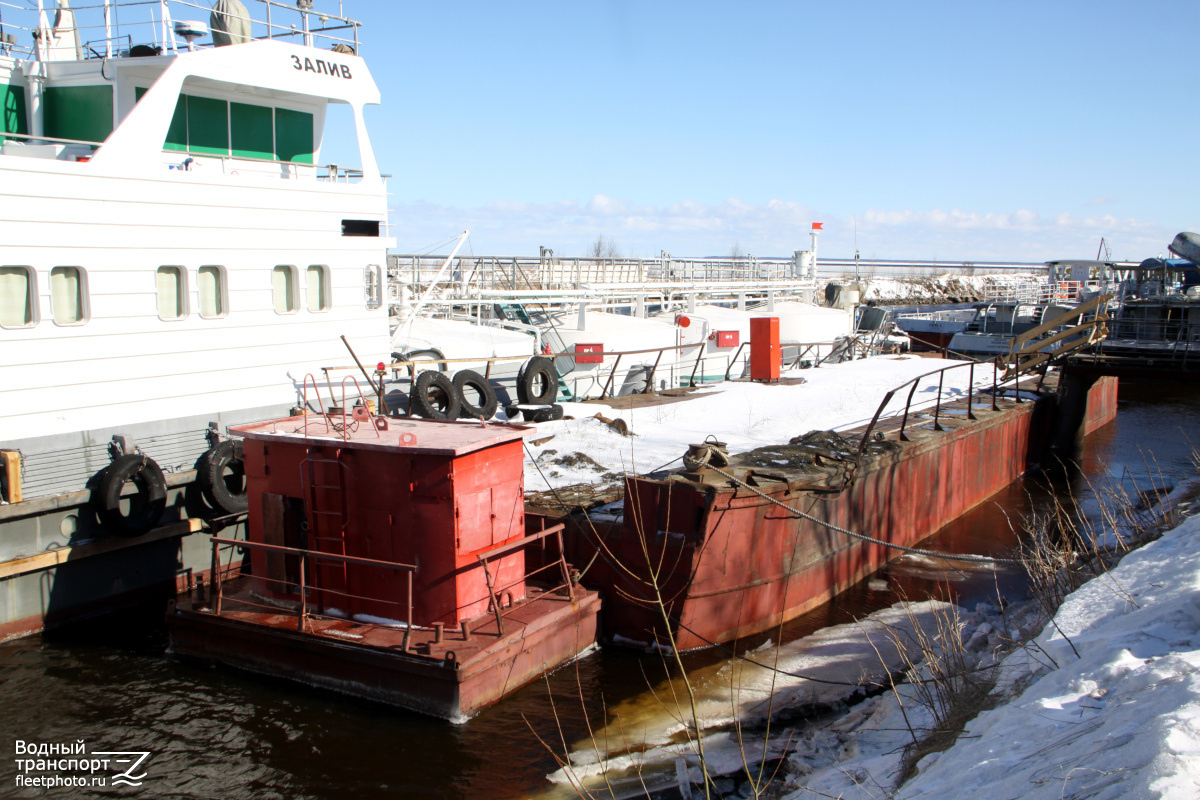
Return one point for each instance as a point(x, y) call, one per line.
point(970, 130)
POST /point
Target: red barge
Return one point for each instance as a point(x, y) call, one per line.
point(698, 559)
point(389, 560)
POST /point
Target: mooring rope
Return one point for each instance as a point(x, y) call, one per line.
point(862, 537)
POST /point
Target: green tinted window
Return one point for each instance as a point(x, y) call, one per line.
point(12, 110)
point(208, 125)
point(293, 136)
point(78, 112)
point(251, 131)
point(177, 133)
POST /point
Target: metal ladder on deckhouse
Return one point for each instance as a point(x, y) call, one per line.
point(327, 525)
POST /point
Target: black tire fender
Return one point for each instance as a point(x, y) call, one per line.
point(469, 378)
point(219, 471)
point(527, 382)
point(547, 414)
point(433, 396)
point(145, 508)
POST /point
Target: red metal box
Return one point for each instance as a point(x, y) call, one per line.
point(589, 353)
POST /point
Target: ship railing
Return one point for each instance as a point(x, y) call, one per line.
point(303, 586)
point(1169, 343)
point(869, 434)
point(500, 600)
point(482, 273)
point(26, 138)
point(111, 28)
point(683, 369)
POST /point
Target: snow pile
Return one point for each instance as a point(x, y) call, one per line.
point(1104, 703)
point(950, 288)
point(744, 415)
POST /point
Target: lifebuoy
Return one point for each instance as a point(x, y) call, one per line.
point(433, 396)
point(222, 477)
point(468, 380)
point(145, 507)
point(537, 382)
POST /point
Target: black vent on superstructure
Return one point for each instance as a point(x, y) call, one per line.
point(360, 227)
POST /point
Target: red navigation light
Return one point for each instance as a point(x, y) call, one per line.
point(381, 367)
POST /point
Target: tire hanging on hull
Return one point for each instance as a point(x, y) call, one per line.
point(222, 477)
point(145, 507)
point(538, 369)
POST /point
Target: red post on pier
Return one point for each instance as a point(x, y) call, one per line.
point(765, 353)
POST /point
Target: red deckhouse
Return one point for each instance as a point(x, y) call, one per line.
point(389, 560)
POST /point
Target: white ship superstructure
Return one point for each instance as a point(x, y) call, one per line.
point(174, 258)
point(170, 250)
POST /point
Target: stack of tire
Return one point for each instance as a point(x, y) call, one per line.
point(469, 395)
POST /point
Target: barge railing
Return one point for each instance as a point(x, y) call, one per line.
point(497, 593)
point(499, 599)
point(856, 345)
point(937, 411)
point(302, 584)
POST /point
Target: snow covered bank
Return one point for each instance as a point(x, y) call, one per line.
point(647, 735)
point(1104, 703)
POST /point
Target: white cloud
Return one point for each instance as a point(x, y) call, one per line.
point(776, 228)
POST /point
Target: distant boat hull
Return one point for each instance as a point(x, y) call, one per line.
point(1187, 245)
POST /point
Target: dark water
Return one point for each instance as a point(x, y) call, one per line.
point(212, 732)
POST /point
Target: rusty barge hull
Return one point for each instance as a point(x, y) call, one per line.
point(730, 563)
point(452, 678)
